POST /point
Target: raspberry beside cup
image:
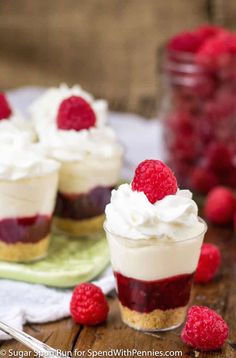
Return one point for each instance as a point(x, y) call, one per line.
point(154, 246)
point(28, 184)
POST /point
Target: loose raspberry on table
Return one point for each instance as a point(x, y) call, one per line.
point(220, 205)
point(204, 329)
point(208, 264)
point(75, 113)
point(155, 179)
point(88, 305)
point(5, 109)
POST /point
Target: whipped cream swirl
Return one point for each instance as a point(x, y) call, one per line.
point(98, 142)
point(131, 215)
point(44, 109)
point(18, 163)
point(16, 131)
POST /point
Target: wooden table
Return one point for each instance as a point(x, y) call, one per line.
point(219, 295)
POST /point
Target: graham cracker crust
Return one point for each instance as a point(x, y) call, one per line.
point(157, 320)
point(24, 252)
point(78, 227)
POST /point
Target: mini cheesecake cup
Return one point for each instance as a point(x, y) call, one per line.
point(84, 191)
point(26, 208)
point(154, 279)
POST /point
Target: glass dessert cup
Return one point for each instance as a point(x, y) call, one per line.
point(154, 279)
point(26, 209)
point(84, 191)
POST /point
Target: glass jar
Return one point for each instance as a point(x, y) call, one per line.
point(199, 121)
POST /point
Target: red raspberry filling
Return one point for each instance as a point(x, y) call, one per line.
point(205, 329)
point(88, 305)
point(155, 179)
point(5, 109)
point(75, 113)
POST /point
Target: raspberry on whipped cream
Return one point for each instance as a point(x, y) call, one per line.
point(28, 184)
point(44, 110)
point(75, 113)
point(154, 246)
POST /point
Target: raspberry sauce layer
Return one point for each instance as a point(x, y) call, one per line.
point(83, 206)
point(26, 230)
point(146, 296)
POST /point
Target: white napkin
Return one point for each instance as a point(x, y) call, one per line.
point(24, 302)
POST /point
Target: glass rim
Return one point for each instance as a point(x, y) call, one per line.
point(152, 239)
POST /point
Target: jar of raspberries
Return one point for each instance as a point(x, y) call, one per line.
point(199, 107)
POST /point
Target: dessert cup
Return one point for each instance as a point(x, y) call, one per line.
point(26, 207)
point(84, 191)
point(89, 153)
point(154, 278)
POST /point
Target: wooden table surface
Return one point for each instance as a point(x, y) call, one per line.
point(219, 295)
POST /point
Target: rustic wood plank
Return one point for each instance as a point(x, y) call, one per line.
point(219, 295)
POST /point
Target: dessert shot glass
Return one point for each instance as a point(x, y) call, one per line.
point(26, 209)
point(154, 279)
point(84, 191)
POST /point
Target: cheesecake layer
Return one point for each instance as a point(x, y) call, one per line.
point(78, 227)
point(24, 229)
point(24, 252)
point(155, 320)
point(153, 259)
point(28, 196)
point(83, 206)
point(147, 296)
point(84, 175)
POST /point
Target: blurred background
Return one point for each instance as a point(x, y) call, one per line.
point(110, 47)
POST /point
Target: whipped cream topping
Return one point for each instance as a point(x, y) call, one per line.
point(19, 163)
point(72, 145)
point(131, 215)
point(44, 109)
point(16, 131)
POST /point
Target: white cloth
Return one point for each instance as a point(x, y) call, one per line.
point(24, 302)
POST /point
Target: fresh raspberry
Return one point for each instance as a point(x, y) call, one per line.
point(229, 179)
point(180, 122)
point(215, 52)
point(202, 180)
point(5, 109)
point(208, 264)
point(155, 179)
point(88, 305)
point(220, 205)
point(185, 42)
point(216, 151)
point(75, 113)
point(207, 31)
point(204, 329)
